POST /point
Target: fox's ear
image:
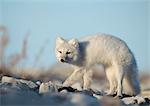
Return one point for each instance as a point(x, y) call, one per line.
point(74, 42)
point(59, 40)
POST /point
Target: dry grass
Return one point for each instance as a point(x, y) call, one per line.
point(4, 39)
point(15, 59)
point(10, 67)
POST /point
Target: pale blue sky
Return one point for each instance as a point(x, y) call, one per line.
point(46, 19)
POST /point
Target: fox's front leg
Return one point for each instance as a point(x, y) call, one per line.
point(75, 76)
point(87, 79)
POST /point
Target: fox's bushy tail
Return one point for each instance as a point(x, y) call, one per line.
point(131, 84)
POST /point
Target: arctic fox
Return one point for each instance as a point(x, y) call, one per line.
point(113, 53)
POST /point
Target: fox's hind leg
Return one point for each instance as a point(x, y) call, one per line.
point(110, 73)
point(120, 76)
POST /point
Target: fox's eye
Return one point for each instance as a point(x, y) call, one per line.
point(59, 51)
point(68, 52)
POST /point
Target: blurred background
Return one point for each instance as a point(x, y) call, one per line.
point(28, 29)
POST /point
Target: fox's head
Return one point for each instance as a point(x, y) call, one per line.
point(67, 51)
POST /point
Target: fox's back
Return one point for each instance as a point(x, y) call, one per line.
point(104, 48)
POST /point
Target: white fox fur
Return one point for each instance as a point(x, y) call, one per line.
point(113, 53)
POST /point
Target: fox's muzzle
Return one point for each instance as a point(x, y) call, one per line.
point(62, 60)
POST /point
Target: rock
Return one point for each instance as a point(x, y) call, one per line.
point(31, 84)
point(69, 99)
point(102, 93)
point(86, 92)
point(97, 96)
point(55, 99)
point(48, 87)
point(83, 100)
point(129, 100)
point(89, 92)
point(19, 97)
point(9, 80)
point(140, 99)
point(13, 92)
point(147, 100)
point(12, 80)
point(38, 83)
point(110, 101)
point(71, 95)
point(134, 100)
point(8, 88)
point(64, 91)
point(11, 87)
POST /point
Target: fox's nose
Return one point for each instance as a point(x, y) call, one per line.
point(62, 60)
